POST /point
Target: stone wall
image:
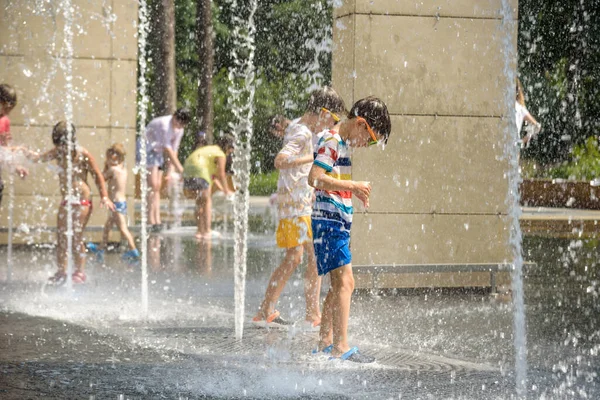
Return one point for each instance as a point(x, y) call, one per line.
point(439, 187)
point(104, 77)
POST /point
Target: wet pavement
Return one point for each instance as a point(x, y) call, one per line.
point(94, 342)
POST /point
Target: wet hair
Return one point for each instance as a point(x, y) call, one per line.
point(375, 112)
point(325, 97)
point(225, 142)
point(200, 140)
point(8, 95)
point(519, 90)
point(60, 134)
point(118, 149)
point(183, 115)
point(276, 120)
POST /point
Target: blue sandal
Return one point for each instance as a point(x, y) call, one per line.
point(326, 350)
point(355, 356)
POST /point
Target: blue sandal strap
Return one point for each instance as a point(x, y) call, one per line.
point(349, 353)
point(326, 350)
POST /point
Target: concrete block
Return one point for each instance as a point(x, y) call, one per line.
point(429, 239)
point(434, 8)
point(42, 92)
point(343, 7)
point(124, 38)
point(442, 165)
point(390, 280)
point(425, 66)
point(343, 58)
point(123, 108)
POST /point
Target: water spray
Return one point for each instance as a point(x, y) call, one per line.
point(241, 90)
point(511, 152)
point(142, 111)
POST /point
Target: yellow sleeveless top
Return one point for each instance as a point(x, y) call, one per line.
point(202, 163)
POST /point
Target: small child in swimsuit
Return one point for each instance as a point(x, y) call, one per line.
point(115, 175)
point(81, 199)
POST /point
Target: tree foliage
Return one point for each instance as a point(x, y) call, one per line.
point(293, 39)
point(559, 65)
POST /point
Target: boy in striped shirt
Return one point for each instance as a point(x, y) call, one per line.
point(294, 201)
point(368, 123)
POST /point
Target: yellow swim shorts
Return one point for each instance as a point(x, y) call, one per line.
point(293, 232)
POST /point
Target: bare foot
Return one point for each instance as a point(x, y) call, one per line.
point(314, 320)
point(323, 345)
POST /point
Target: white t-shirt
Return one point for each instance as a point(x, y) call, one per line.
point(161, 135)
point(521, 112)
point(294, 195)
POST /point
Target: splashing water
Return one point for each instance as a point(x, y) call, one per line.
point(67, 67)
point(321, 44)
point(241, 89)
point(11, 205)
point(511, 152)
point(142, 110)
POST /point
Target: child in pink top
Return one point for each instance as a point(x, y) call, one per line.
point(8, 101)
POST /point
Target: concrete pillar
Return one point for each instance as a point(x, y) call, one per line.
point(104, 77)
point(439, 187)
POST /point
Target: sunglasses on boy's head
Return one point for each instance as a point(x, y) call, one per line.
point(373, 140)
point(333, 115)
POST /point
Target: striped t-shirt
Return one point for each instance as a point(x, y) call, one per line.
point(333, 155)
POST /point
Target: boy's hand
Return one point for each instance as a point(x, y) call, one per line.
point(105, 202)
point(22, 172)
point(362, 190)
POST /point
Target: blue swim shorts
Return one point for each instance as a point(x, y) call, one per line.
point(332, 245)
point(121, 207)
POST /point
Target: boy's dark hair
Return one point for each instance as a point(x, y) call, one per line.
point(183, 115)
point(60, 133)
point(225, 142)
point(375, 112)
point(275, 120)
point(8, 95)
point(325, 97)
point(200, 140)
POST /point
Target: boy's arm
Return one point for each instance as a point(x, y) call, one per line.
point(285, 161)
point(174, 160)
point(318, 179)
point(100, 183)
point(288, 155)
point(37, 157)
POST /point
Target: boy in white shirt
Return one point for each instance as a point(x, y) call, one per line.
point(294, 202)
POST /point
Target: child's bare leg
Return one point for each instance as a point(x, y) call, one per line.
point(312, 285)
point(199, 214)
point(326, 332)
point(81, 216)
point(121, 222)
point(106, 232)
point(342, 283)
point(278, 280)
point(154, 182)
point(61, 240)
point(203, 213)
point(207, 211)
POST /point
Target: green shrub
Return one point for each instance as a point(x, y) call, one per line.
point(263, 184)
point(584, 164)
